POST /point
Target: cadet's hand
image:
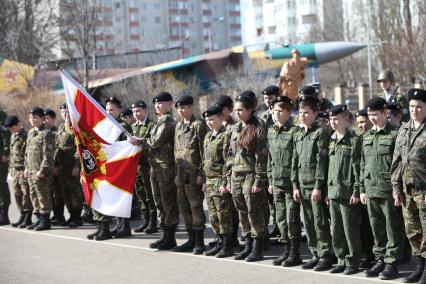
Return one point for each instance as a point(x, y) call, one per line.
point(75, 171)
point(363, 198)
point(255, 189)
point(25, 174)
point(354, 200)
point(55, 171)
point(177, 181)
point(316, 195)
point(296, 195)
point(39, 175)
point(397, 198)
point(203, 188)
point(425, 198)
point(4, 159)
point(327, 201)
point(223, 189)
point(134, 141)
point(270, 189)
point(228, 186)
point(200, 180)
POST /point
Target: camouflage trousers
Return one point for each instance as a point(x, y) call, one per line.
point(143, 189)
point(21, 191)
point(219, 206)
point(345, 222)
point(387, 229)
point(99, 217)
point(190, 200)
point(58, 202)
point(165, 196)
point(249, 205)
point(287, 214)
point(40, 194)
point(317, 226)
point(4, 188)
point(68, 187)
point(414, 211)
point(367, 238)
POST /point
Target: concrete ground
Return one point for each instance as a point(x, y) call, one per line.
point(64, 255)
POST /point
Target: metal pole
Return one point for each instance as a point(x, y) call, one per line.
point(370, 80)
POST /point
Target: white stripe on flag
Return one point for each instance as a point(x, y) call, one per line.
point(109, 200)
point(120, 150)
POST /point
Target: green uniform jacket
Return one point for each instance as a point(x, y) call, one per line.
point(266, 117)
point(5, 141)
point(376, 159)
point(409, 158)
point(343, 167)
point(403, 103)
point(143, 130)
point(160, 142)
point(252, 160)
point(215, 150)
point(280, 147)
point(39, 151)
point(65, 148)
point(188, 148)
point(310, 158)
point(18, 143)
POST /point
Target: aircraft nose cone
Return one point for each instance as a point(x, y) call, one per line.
point(330, 51)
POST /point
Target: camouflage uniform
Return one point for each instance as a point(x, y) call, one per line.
point(309, 172)
point(39, 157)
point(280, 145)
point(161, 158)
point(188, 151)
point(4, 151)
point(68, 185)
point(343, 183)
point(266, 117)
point(16, 166)
point(143, 183)
point(400, 99)
point(409, 178)
point(249, 167)
point(377, 151)
point(219, 205)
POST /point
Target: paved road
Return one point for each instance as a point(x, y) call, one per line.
point(66, 256)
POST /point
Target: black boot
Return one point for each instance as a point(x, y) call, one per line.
point(294, 255)
point(87, 215)
point(189, 244)
point(160, 240)
point(215, 248)
point(214, 242)
point(275, 232)
point(199, 247)
point(266, 242)
point(283, 257)
point(20, 220)
point(226, 249)
point(152, 225)
point(366, 262)
point(58, 218)
point(144, 225)
point(390, 271)
point(169, 239)
point(247, 249)
point(36, 223)
point(4, 215)
point(376, 269)
point(104, 233)
point(256, 252)
point(75, 219)
point(117, 226)
point(417, 273)
point(125, 230)
point(44, 223)
point(324, 265)
point(311, 263)
point(95, 233)
point(27, 221)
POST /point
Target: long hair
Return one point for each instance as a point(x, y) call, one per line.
point(247, 137)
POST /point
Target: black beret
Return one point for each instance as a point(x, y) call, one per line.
point(113, 100)
point(308, 91)
point(139, 103)
point(323, 115)
point(271, 91)
point(127, 112)
point(283, 99)
point(224, 101)
point(377, 103)
point(162, 97)
point(63, 106)
point(11, 121)
point(417, 94)
point(337, 109)
point(49, 112)
point(316, 85)
point(184, 100)
point(213, 110)
point(310, 98)
point(393, 106)
point(362, 112)
point(37, 111)
point(247, 97)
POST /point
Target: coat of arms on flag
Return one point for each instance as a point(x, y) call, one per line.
point(108, 166)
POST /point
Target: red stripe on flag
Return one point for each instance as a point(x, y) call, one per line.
point(121, 173)
point(92, 115)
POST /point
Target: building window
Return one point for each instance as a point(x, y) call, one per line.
point(117, 5)
point(143, 6)
point(173, 5)
point(133, 3)
point(271, 30)
point(144, 19)
point(157, 6)
point(133, 17)
point(157, 20)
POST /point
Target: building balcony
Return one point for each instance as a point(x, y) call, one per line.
point(307, 9)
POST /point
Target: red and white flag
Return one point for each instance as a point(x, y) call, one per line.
point(108, 166)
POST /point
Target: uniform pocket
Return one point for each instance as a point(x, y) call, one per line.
point(385, 147)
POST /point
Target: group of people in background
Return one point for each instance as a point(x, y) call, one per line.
point(302, 162)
